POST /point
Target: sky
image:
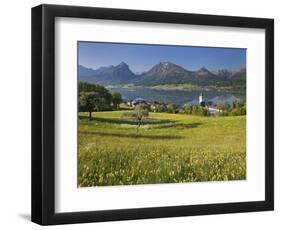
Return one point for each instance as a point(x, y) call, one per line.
point(142, 57)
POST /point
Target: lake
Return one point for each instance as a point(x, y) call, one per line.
point(179, 97)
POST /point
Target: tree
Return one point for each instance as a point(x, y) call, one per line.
point(172, 108)
point(141, 112)
point(224, 107)
point(188, 109)
point(116, 100)
point(235, 104)
point(103, 96)
point(90, 101)
point(239, 108)
point(196, 110)
point(160, 108)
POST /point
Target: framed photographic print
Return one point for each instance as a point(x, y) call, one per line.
point(142, 114)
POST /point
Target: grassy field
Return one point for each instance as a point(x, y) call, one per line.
point(167, 148)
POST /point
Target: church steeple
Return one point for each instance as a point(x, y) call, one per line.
point(202, 101)
point(201, 98)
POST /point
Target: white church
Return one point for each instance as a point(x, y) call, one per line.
point(206, 105)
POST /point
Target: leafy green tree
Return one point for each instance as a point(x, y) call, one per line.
point(160, 108)
point(90, 101)
point(102, 95)
point(196, 110)
point(116, 100)
point(235, 104)
point(188, 109)
point(172, 108)
point(239, 108)
point(224, 107)
point(141, 112)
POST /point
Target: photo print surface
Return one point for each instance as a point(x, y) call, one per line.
point(151, 114)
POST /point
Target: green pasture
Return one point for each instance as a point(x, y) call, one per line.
point(167, 148)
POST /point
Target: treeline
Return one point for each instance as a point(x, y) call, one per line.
point(93, 97)
point(196, 110)
point(238, 108)
point(188, 109)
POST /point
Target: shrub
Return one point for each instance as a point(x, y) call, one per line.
point(160, 108)
point(172, 108)
point(196, 110)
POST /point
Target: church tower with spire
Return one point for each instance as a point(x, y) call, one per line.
point(201, 100)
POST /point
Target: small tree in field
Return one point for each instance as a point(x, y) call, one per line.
point(141, 112)
point(90, 101)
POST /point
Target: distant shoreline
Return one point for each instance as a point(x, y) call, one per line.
point(181, 87)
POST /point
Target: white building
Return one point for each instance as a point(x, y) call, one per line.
point(202, 100)
point(207, 105)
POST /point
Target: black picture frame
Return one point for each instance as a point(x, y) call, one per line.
point(43, 114)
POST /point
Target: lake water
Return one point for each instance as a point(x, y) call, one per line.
point(178, 97)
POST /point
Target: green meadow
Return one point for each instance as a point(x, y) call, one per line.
point(166, 148)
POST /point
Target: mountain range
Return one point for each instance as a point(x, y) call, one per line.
point(161, 74)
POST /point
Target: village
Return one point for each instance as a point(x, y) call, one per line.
point(155, 106)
